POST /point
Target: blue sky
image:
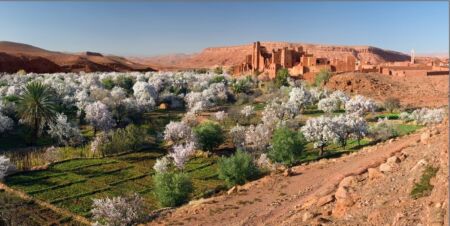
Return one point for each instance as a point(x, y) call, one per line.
point(151, 28)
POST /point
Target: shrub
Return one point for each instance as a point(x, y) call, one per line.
point(172, 189)
point(125, 82)
point(242, 85)
point(391, 104)
point(120, 140)
point(423, 187)
point(218, 79)
point(209, 135)
point(237, 169)
point(322, 77)
point(286, 145)
point(108, 83)
point(281, 79)
point(218, 70)
point(382, 130)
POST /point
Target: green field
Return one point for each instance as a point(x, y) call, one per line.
point(73, 184)
point(16, 211)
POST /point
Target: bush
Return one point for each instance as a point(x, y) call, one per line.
point(382, 130)
point(237, 169)
point(218, 70)
point(209, 135)
point(391, 104)
point(125, 82)
point(120, 140)
point(286, 146)
point(322, 77)
point(108, 83)
point(423, 187)
point(218, 79)
point(281, 79)
point(172, 189)
point(242, 85)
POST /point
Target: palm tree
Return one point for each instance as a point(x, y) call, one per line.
point(36, 107)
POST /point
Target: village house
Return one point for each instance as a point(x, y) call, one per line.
point(297, 60)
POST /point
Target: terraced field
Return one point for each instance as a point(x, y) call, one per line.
point(16, 211)
point(73, 184)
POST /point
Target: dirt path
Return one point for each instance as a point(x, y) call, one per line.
point(273, 199)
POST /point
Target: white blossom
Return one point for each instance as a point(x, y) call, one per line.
point(6, 123)
point(300, 97)
point(328, 105)
point(220, 115)
point(257, 138)
point(360, 105)
point(319, 130)
point(237, 134)
point(161, 165)
point(64, 132)
point(178, 132)
point(181, 153)
point(98, 115)
point(5, 167)
point(248, 111)
point(427, 116)
point(145, 95)
point(118, 211)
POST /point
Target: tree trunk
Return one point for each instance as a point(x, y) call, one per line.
point(35, 132)
point(321, 150)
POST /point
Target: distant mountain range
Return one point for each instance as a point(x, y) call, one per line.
point(16, 56)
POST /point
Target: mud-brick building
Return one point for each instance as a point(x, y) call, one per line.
point(297, 60)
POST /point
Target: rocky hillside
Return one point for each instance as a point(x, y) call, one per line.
point(384, 184)
point(227, 56)
point(17, 56)
point(430, 91)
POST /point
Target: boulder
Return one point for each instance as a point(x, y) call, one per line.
point(393, 160)
point(232, 190)
point(349, 181)
point(424, 137)
point(374, 173)
point(325, 200)
point(385, 168)
point(342, 196)
point(306, 216)
point(287, 172)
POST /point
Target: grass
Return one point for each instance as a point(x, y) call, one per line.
point(405, 129)
point(423, 187)
point(17, 211)
point(73, 184)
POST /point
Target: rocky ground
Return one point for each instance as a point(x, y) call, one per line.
point(370, 187)
point(430, 91)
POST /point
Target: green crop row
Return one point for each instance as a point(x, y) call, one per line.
point(57, 186)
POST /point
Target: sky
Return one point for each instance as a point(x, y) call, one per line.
point(147, 28)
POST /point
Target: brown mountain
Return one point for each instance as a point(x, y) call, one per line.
point(17, 56)
point(231, 55)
